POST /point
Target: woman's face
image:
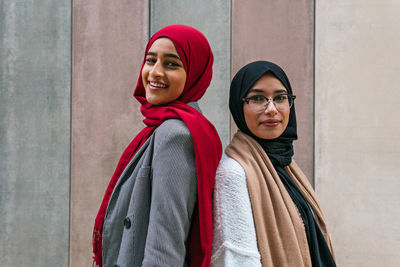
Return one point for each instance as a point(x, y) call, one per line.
point(163, 73)
point(271, 123)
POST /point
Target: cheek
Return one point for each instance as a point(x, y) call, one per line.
point(285, 119)
point(179, 83)
point(144, 75)
point(250, 119)
point(181, 78)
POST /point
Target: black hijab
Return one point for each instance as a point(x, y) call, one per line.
point(280, 151)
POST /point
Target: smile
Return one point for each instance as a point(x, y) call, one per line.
point(155, 85)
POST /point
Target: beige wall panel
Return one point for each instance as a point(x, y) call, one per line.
point(281, 32)
point(108, 47)
point(357, 128)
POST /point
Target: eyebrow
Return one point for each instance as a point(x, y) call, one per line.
point(255, 90)
point(166, 55)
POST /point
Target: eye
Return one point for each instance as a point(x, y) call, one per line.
point(150, 60)
point(172, 64)
point(257, 99)
point(280, 98)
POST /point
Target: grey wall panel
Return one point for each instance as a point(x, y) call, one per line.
point(212, 18)
point(35, 92)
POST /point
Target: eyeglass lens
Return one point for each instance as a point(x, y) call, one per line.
point(281, 102)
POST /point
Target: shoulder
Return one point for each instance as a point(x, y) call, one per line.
point(172, 126)
point(229, 167)
point(230, 175)
point(172, 130)
point(172, 141)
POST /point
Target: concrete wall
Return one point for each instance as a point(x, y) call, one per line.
point(108, 46)
point(357, 128)
point(35, 63)
point(354, 141)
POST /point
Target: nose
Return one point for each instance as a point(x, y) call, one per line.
point(156, 70)
point(271, 109)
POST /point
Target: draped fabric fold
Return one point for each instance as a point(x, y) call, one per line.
point(280, 232)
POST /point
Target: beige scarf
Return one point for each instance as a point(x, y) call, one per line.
point(280, 231)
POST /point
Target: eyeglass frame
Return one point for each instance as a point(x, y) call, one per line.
point(290, 96)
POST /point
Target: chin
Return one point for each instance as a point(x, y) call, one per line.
point(152, 101)
point(269, 135)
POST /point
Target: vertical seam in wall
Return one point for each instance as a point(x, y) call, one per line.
point(230, 70)
point(314, 61)
point(70, 131)
point(149, 21)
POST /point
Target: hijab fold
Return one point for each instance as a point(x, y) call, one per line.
point(196, 55)
point(290, 226)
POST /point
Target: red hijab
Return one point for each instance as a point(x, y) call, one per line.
point(196, 55)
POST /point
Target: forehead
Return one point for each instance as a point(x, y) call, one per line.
point(268, 83)
point(163, 45)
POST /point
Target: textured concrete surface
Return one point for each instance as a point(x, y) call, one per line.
point(281, 32)
point(212, 18)
point(357, 128)
point(34, 132)
point(108, 48)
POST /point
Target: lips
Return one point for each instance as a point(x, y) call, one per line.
point(270, 122)
point(157, 85)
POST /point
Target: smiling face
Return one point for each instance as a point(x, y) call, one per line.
point(163, 73)
point(271, 123)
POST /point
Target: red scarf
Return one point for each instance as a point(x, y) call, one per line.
point(197, 58)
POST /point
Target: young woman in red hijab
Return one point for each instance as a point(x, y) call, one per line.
point(157, 209)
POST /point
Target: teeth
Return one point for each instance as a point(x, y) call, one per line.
point(158, 85)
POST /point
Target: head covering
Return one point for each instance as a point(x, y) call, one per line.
point(279, 151)
point(244, 79)
point(196, 55)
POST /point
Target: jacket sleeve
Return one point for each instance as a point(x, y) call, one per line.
point(173, 196)
point(234, 236)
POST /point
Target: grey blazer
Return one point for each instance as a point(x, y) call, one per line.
point(148, 217)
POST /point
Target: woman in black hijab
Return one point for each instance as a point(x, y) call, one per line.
point(265, 211)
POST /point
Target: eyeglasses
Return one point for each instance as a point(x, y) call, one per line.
point(259, 103)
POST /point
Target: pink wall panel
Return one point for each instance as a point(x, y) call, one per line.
point(281, 32)
point(108, 46)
